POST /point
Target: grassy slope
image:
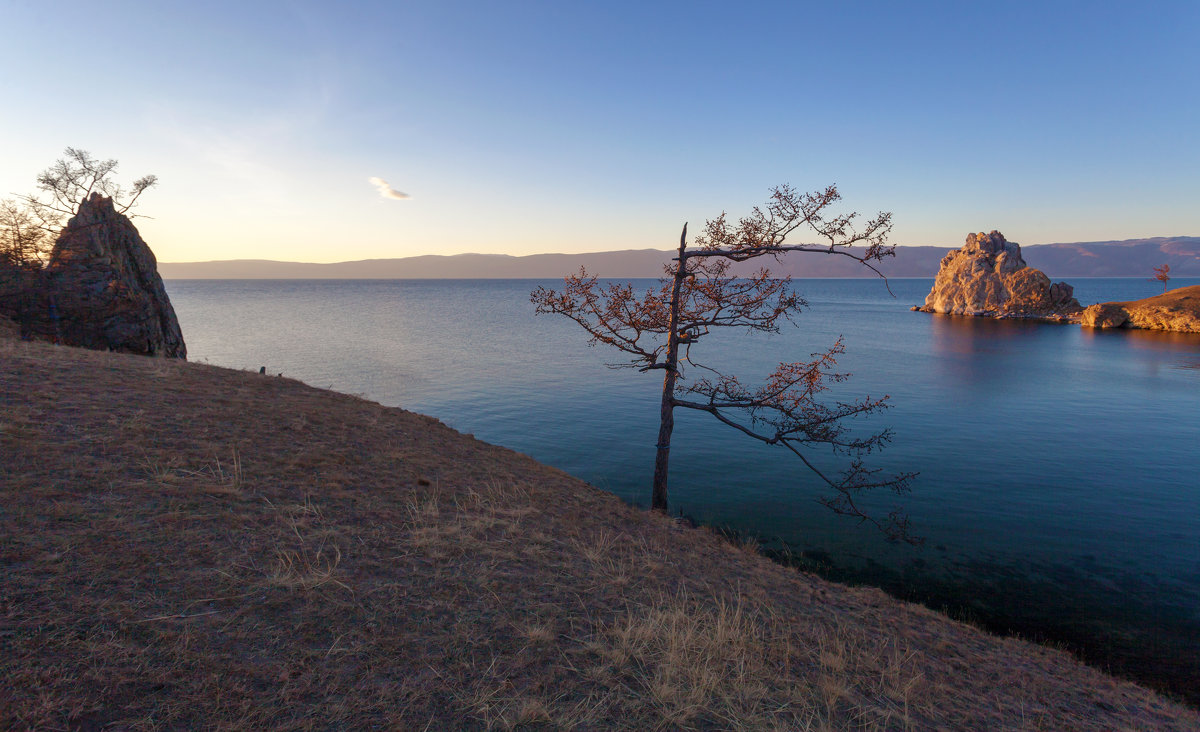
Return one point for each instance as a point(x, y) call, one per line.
point(188, 545)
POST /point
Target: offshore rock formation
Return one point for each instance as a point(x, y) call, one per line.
point(989, 277)
point(101, 288)
point(1177, 310)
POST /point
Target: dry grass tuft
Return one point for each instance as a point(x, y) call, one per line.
point(539, 633)
point(697, 663)
point(229, 476)
point(731, 665)
point(306, 569)
point(306, 556)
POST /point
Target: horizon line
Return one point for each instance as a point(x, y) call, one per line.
point(620, 251)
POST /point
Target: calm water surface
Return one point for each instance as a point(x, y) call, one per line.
point(1055, 460)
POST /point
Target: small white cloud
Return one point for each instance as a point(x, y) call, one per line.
point(386, 190)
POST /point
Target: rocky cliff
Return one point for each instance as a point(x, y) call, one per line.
point(989, 277)
point(1177, 310)
point(101, 288)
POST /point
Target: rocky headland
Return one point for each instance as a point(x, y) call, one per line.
point(988, 277)
point(1177, 310)
point(100, 289)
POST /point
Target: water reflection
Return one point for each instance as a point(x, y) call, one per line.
point(966, 335)
point(1155, 340)
point(1155, 350)
point(972, 350)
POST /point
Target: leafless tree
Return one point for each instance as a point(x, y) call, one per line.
point(1163, 275)
point(699, 296)
point(23, 249)
point(70, 180)
point(23, 242)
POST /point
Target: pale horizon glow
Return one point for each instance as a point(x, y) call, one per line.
point(540, 128)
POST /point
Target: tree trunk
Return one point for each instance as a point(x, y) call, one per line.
point(658, 496)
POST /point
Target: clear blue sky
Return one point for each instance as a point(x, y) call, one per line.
point(526, 127)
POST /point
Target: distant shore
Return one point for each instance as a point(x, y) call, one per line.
point(1134, 257)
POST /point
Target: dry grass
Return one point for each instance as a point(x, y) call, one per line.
point(187, 546)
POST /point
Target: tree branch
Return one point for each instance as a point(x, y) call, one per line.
point(699, 294)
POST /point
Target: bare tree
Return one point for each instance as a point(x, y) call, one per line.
point(23, 249)
point(71, 179)
point(23, 242)
point(699, 295)
point(1162, 274)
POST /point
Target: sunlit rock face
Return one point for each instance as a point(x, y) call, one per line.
point(1104, 315)
point(989, 277)
point(1177, 310)
point(102, 289)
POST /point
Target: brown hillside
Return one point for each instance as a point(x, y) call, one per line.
point(186, 546)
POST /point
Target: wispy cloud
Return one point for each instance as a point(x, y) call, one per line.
point(386, 190)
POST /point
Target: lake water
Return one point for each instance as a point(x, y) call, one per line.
point(1059, 487)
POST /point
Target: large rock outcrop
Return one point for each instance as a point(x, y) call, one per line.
point(101, 288)
point(989, 277)
point(1177, 310)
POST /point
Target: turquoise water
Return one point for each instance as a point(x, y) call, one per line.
point(1059, 466)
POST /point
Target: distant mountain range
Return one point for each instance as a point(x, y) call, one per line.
point(1130, 258)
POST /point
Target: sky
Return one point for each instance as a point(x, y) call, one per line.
point(328, 131)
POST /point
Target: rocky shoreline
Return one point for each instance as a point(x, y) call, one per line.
point(1177, 310)
point(989, 278)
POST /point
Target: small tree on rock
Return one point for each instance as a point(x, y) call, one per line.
point(1163, 275)
point(699, 296)
point(70, 180)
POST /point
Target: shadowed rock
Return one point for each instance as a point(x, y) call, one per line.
point(101, 288)
point(988, 277)
point(9, 328)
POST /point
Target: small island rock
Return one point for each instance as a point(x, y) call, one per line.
point(988, 277)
